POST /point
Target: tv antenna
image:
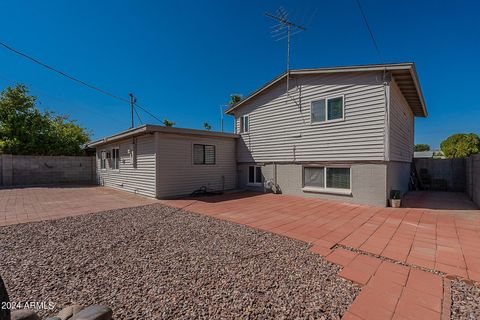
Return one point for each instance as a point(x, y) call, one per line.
point(284, 29)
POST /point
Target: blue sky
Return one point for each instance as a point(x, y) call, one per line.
point(183, 59)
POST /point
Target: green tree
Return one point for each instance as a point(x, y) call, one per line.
point(168, 123)
point(422, 147)
point(26, 130)
point(460, 145)
point(207, 126)
point(234, 98)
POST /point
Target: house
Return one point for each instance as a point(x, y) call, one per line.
point(164, 162)
point(343, 133)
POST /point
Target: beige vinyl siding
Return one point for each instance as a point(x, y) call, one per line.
point(139, 179)
point(401, 126)
point(280, 128)
point(177, 175)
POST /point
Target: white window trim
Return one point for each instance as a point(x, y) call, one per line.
point(253, 184)
point(326, 109)
point(103, 151)
point(242, 123)
point(326, 189)
point(117, 169)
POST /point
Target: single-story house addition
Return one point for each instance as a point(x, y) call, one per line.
point(343, 133)
point(166, 162)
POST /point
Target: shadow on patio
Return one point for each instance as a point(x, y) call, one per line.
point(438, 200)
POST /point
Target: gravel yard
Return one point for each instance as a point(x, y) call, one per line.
point(465, 301)
point(157, 262)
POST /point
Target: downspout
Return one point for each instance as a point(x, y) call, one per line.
point(386, 141)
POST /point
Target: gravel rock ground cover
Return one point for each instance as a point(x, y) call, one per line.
point(465, 301)
point(158, 262)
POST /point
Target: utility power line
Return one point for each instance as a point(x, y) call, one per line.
point(83, 83)
point(369, 30)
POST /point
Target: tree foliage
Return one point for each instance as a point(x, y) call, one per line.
point(235, 98)
point(460, 145)
point(168, 123)
point(26, 130)
point(422, 147)
point(207, 126)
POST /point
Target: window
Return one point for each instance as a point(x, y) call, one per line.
point(203, 154)
point(244, 123)
point(326, 177)
point(326, 110)
point(338, 178)
point(115, 158)
point(103, 159)
point(255, 175)
point(314, 177)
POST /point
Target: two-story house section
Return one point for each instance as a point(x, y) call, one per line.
point(344, 133)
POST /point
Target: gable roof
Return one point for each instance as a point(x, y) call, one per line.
point(404, 74)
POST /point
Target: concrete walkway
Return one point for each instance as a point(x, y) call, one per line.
point(403, 257)
point(19, 205)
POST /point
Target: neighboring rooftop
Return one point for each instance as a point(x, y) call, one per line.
point(405, 76)
point(423, 154)
point(148, 128)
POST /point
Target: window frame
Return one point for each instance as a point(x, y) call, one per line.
point(114, 167)
point(103, 161)
point(254, 183)
point(242, 123)
point(327, 98)
point(326, 189)
point(204, 158)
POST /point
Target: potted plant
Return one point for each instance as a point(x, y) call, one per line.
point(395, 198)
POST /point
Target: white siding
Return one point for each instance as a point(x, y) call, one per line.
point(280, 128)
point(139, 179)
point(401, 126)
point(177, 175)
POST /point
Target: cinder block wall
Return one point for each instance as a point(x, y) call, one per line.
point(31, 170)
point(453, 171)
point(473, 178)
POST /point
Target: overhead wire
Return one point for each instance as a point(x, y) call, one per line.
point(369, 30)
point(81, 82)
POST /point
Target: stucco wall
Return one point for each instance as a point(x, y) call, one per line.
point(368, 182)
point(31, 170)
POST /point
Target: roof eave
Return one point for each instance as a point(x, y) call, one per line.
point(379, 67)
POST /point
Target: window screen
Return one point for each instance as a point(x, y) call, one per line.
point(314, 177)
point(258, 175)
point(318, 111)
point(203, 154)
point(103, 160)
point(255, 174)
point(335, 108)
point(338, 178)
point(115, 158)
point(251, 174)
point(209, 151)
point(244, 123)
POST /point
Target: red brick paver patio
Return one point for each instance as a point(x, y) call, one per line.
point(19, 205)
point(416, 239)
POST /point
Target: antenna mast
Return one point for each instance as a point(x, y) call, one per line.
point(284, 30)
